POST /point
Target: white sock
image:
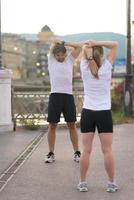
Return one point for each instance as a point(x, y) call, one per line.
point(83, 182)
point(112, 182)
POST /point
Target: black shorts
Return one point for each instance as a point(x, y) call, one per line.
point(102, 120)
point(61, 103)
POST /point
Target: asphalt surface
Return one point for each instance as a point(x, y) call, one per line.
point(36, 180)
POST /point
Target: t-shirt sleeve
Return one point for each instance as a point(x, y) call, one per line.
point(50, 60)
point(109, 64)
point(83, 63)
point(70, 58)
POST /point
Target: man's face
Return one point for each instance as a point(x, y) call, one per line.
point(60, 57)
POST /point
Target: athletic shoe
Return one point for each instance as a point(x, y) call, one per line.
point(82, 187)
point(112, 187)
point(77, 156)
point(50, 158)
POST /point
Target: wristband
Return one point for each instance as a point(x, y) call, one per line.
point(90, 58)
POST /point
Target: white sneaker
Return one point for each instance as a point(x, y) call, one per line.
point(112, 187)
point(50, 158)
point(82, 187)
point(77, 156)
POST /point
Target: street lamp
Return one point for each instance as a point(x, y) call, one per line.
point(128, 107)
point(1, 67)
point(133, 45)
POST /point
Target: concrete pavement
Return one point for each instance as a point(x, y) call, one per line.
point(12, 144)
point(36, 180)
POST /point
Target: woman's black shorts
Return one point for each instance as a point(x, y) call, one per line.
point(102, 120)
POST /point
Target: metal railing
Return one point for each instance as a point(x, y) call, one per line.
point(32, 103)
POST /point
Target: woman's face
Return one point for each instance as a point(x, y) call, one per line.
point(60, 57)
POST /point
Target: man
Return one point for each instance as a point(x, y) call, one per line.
point(60, 66)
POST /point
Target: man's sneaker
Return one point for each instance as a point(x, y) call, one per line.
point(82, 187)
point(77, 156)
point(50, 158)
point(112, 187)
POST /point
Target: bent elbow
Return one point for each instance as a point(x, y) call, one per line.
point(116, 44)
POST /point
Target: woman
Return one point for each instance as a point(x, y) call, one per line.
point(96, 74)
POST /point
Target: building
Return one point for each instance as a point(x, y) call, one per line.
point(14, 54)
point(27, 58)
point(31, 59)
point(45, 34)
point(19, 55)
point(43, 42)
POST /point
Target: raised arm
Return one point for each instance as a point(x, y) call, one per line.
point(111, 45)
point(76, 48)
point(87, 52)
point(53, 43)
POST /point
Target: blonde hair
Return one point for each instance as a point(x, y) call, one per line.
point(97, 55)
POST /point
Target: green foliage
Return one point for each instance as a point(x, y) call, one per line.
point(78, 124)
point(118, 117)
point(31, 124)
point(117, 102)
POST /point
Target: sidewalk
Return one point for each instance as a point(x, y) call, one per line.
point(36, 180)
point(12, 144)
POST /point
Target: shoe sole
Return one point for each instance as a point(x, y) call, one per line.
point(82, 190)
point(49, 161)
point(112, 190)
point(77, 160)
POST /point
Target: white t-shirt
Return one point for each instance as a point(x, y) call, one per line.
point(97, 94)
point(61, 74)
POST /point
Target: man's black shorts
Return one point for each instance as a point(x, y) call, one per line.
point(61, 103)
point(102, 120)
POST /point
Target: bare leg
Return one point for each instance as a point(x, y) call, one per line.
point(73, 135)
point(106, 145)
point(87, 139)
point(51, 136)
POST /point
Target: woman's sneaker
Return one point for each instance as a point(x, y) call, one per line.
point(50, 157)
point(77, 156)
point(82, 187)
point(112, 187)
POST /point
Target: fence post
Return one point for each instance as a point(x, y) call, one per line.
point(5, 101)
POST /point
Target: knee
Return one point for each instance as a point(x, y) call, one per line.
point(106, 150)
point(52, 126)
point(71, 126)
point(87, 151)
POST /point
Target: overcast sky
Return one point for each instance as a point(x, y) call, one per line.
point(64, 16)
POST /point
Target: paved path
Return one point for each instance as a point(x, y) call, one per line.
point(12, 144)
point(36, 180)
